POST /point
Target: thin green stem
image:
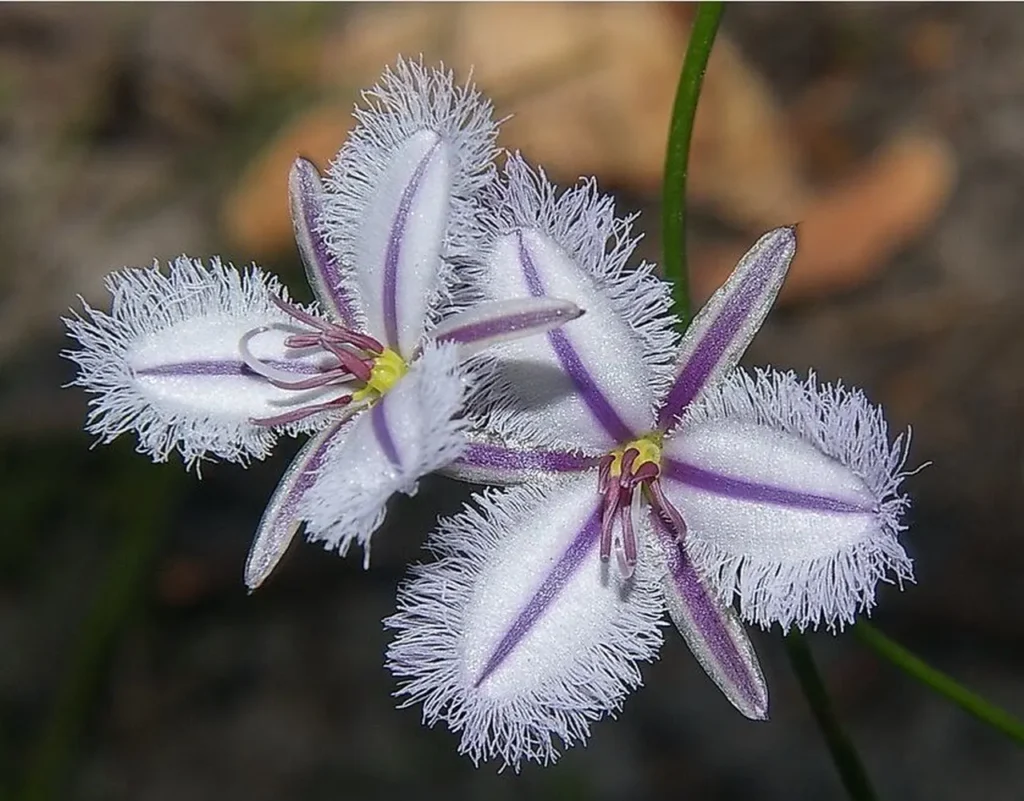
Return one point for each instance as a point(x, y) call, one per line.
point(941, 683)
point(851, 769)
point(677, 160)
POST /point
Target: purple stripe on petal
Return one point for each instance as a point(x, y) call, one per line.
point(585, 385)
point(554, 581)
point(715, 640)
point(223, 367)
point(720, 338)
point(394, 248)
point(507, 324)
point(499, 458)
point(383, 433)
point(742, 490)
point(281, 518)
point(306, 193)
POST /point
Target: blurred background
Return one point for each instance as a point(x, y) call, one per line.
point(132, 663)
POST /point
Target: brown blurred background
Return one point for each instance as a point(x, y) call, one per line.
point(132, 663)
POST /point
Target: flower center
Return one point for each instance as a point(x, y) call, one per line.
point(648, 451)
point(387, 369)
point(358, 359)
point(625, 477)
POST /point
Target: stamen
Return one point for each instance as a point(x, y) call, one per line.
point(664, 507)
point(627, 556)
point(302, 413)
point(350, 361)
point(329, 330)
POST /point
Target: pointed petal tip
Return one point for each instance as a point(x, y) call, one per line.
point(303, 177)
point(784, 238)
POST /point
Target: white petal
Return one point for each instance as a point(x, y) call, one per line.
point(790, 495)
point(402, 197)
point(725, 326)
point(281, 519)
point(592, 383)
point(519, 636)
point(411, 431)
point(166, 361)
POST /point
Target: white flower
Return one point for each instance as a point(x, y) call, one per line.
point(210, 361)
point(708, 485)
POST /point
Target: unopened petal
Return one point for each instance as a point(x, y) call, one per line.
point(282, 518)
point(592, 383)
point(413, 430)
point(166, 362)
point(323, 269)
point(790, 495)
point(494, 322)
point(711, 629)
point(721, 332)
point(402, 197)
point(519, 636)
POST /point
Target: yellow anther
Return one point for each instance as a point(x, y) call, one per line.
point(649, 448)
point(387, 369)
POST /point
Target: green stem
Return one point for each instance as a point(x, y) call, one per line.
point(677, 160)
point(851, 769)
point(940, 682)
point(680, 133)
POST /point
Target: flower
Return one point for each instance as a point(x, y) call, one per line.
point(707, 484)
point(209, 360)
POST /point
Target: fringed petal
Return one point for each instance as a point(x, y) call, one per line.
point(402, 197)
point(281, 520)
point(494, 322)
point(166, 362)
point(790, 493)
point(711, 629)
point(488, 461)
point(411, 431)
point(721, 332)
point(323, 271)
point(591, 384)
point(519, 636)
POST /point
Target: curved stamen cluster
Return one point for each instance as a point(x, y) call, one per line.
point(356, 357)
point(623, 474)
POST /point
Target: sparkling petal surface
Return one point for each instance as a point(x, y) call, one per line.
point(821, 505)
point(195, 368)
point(520, 635)
point(398, 249)
point(585, 384)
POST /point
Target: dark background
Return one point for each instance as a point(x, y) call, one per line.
point(134, 666)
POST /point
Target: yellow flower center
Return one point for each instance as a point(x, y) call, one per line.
point(649, 447)
point(387, 370)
